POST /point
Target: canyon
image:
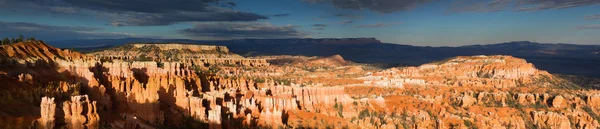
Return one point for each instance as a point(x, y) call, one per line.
point(175, 85)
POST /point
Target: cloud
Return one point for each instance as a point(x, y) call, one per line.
point(381, 24)
point(281, 15)
point(49, 32)
point(241, 30)
point(590, 27)
point(158, 19)
point(145, 6)
point(517, 5)
point(319, 26)
point(380, 6)
point(479, 6)
point(340, 15)
point(592, 17)
point(231, 3)
point(138, 12)
point(346, 22)
point(532, 5)
point(63, 9)
point(349, 16)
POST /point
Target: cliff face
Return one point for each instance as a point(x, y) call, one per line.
point(37, 50)
point(480, 71)
point(60, 89)
point(202, 55)
point(191, 47)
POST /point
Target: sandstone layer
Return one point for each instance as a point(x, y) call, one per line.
point(201, 86)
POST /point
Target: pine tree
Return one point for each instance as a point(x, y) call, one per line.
point(21, 38)
point(32, 38)
point(5, 41)
point(12, 40)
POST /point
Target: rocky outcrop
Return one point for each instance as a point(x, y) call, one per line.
point(80, 112)
point(199, 55)
point(558, 102)
point(179, 85)
point(467, 101)
point(335, 60)
point(473, 71)
point(583, 120)
point(191, 47)
point(48, 111)
point(230, 61)
point(214, 118)
point(37, 50)
point(550, 120)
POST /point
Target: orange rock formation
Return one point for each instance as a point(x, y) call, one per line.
point(201, 86)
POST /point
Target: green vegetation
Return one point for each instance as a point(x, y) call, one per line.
point(259, 80)
point(143, 58)
point(591, 113)
point(556, 82)
point(364, 113)
point(187, 123)
point(160, 64)
point(340, 109)
point(469, 124)
point(512, 103)
point(283, 81)
point(211, 70)
point(12, 40)
point(34, 94)
point(539, 104)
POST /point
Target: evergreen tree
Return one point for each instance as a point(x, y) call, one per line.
point(12, 40)
point(32, 38)
point(21, 38)
point(5, 41)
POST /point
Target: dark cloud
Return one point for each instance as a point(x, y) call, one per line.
point(590, 27)
point(281, 15)
point(239, 30)
point(381, 6)
point(341, 16)
point(381, 24)
point(144, 19)
point(479, 5)
point(532, 5)
point(592, 17)
point(48, 32)
point(516, 5)
point(67, 10)
point(346, 22)
point(319, 26)
point(231, 4)
point(145, 6)
point(349, 16)
point(138, 12)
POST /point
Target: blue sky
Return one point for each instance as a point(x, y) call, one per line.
point(414, 22)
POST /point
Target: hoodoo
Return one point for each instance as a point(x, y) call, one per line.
point(202, 86)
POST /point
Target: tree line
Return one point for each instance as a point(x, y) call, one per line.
point(12, 40)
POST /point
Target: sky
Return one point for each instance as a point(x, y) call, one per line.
point(412, 22)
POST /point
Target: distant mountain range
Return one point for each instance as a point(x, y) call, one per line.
point(569, 59)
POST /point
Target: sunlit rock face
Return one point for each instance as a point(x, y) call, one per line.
point(480, 71)
point(200, 55)
point(47, 111)
point(203, 86)
point(80, 112)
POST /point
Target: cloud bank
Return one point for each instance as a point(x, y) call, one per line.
point(137, 12)
point(48, 32)
point(241, 30)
